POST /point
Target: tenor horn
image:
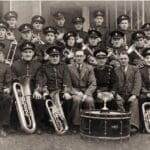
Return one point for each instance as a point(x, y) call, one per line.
point(56, 113)
point(22, 95)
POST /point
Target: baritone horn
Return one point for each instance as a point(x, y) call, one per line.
point(146, 115)
point(11, 53)
point(56, 113)
point(22, 93)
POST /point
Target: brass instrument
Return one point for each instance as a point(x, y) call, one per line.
point(68, 54)
point(146, 115)
point(11, 53)
point(56, 113)
point(22, 95)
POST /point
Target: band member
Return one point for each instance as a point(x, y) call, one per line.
point(38, 24)
point(136, 49)
point(49, 79)
point(81, 36)
point(94, 38)
point(107, 81)
point(123, 22)
point(59, 19)
point(23, 67)
point(3, 31)
point(11, 18)
point(83, 86)
point(99, 25)
point(146, 28)
point(70, 47)
point(129, 88)
point(145, 91)
point(117, 45)
point(5, 98)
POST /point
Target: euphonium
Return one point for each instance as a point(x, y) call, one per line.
point(56, 113)
point(22, 95)
point(11, 53)
point(146, 115)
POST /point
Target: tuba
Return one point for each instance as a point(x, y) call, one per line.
point(56, 113)
point(22, 95)
point(146, 115)
point(11, 53)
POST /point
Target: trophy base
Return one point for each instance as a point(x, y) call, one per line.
point(104, 110)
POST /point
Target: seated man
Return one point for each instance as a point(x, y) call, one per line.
point(83, 86)
point(129, 88)
point(145, 91)
point(5, 98)
point(49, 79)
point(107, 81)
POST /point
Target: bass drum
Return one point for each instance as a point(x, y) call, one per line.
point(105, 125)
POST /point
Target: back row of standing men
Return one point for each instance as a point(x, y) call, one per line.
point(89, 63)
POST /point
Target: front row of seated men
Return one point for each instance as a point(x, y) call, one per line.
point(84, 83)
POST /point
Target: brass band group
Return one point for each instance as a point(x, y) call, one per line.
point(50, 75)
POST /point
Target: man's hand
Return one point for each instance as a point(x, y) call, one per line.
point(37, 95)
point(7, 90)
point(67, 96)
point(84, 97)
point(132, 98)
point(148, 95)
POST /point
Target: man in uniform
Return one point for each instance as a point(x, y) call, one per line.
point(38, 24)
point(123, 22)
point(60, 20)
point(129, 88)
point(136, 49)
point(83, 86)
point(81, 36)
point(117, 45)
point(146, 28)
point(145, 91)
point(25, 66)
point(99, 25)
point(5, 98)
point(107, 82)
point(11, 18)
point(50, 78)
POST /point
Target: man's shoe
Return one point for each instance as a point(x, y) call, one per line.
point(3, 133)
point(38, 131)
point(133, 130)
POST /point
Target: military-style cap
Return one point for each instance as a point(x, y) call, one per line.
point(145, 27)
point(27, 45)
point(4, 24)
point(49, 29)
point(92, 32)
point(98, 13)
point(123, 17)
point(25, 27)
point(58, 15)
point(38, 18)
point(116, 34)
point(146, 52)
point(11, 14)
point(53, 50)
point(138, 34)
point(78, 20)
point(69, 34)
point(100, 52)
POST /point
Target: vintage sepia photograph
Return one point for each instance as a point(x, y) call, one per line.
point(74, 75)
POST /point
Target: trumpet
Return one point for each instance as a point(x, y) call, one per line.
point(56, 113)
point(22, 95)
point(11, 53)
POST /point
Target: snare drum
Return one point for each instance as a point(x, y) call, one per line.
point(106, 125)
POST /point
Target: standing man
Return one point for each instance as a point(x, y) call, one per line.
point(83, 86)
point(11, 18)
point(59, 19)
point(129, 88)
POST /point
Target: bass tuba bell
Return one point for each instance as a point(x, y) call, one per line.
point(56, 113)
point(22, 95)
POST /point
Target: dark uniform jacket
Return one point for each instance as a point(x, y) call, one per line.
point(53, 76)
point(106, 78)
point(129, 82)
point(84, 80)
